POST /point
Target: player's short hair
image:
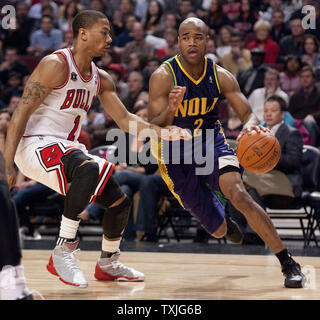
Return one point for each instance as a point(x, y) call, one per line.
point(281, 101)
point(86, 19)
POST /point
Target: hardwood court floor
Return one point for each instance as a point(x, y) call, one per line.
point(178, 276)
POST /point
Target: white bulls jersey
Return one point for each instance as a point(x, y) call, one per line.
point(62, 112)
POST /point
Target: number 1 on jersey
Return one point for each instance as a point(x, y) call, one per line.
point(71, 136)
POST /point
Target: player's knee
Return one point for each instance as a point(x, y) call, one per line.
point(236, 193)
point(90, 170)
point(221, 231)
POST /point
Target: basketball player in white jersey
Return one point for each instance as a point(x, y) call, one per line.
point(42, 140)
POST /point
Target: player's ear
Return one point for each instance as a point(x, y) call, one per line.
point(83, 34)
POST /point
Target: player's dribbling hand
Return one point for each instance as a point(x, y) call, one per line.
point(174, 133)
point(250, 129)
point(11, 176)
point(176, 97)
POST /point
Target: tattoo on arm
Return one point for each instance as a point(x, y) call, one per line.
point(32, 92)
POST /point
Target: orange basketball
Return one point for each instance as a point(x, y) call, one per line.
point(258, 152)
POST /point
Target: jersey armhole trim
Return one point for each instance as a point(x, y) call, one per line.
point(172, 73)
point(216, 76)
point(99, 81)
point(68, 71)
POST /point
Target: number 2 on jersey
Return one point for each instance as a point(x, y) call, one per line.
point(71, 136)
point(198, 123)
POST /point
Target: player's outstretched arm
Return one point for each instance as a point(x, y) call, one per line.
point(164, 98)
point(231, 90)
point(114, 107)
point(50, 72)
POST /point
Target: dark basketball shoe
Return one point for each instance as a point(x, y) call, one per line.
point(294, 278)
point(234, 234)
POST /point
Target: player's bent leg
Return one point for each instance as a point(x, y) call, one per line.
point(233, 189)
point(115, 219)
point(83, 173)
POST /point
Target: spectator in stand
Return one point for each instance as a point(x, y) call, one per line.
point(184, 8)
point(271, 87)
point(279, 28)
point(35, 11)
point(232, 125)
point(127, 8)
point(169, 22)
point(13, 103)
point(10, 64)
point(138, 62)
point(274, 5)
point(232, 9)
point(153, 64)
point(46, 38)
point(153, 19)
point(263, 40)
point(292, 44)
point(70, 11)
point(224, 40)
point(247, 18)
point(98, 5)
point(68, 40)
point(108, 58)
point(152, 189)
point(135, 84)
point(216, 18)
point(290, 77)
point(304, 104)
point(17, 37)
point(311, 54)
point(211, 50)
point(171, 48)
point(5, 117)
point(238, 58)
point(124, 37)
point(117, 73)
point(253, 77)
point(14, 86)
point(138, 45)
point(118, 24)
point(26, 23)
point(62, 7)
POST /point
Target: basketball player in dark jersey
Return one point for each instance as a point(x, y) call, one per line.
point(185, 91)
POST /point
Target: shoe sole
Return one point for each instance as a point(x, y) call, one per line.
point(295, 284)
point(53, 271)
point(103, 276)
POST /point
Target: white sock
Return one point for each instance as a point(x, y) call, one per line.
point(68, 228)
point(110, 245)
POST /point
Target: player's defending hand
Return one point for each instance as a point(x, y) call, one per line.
point(174, 133)
point(11, 176)
point(249, 130)
point(176, 97)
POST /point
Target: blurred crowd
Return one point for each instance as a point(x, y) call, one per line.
point(263, 43)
